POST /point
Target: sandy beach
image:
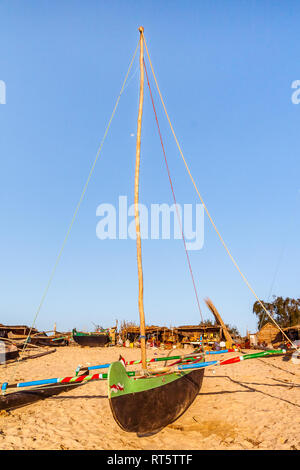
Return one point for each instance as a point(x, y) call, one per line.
point(250, 405)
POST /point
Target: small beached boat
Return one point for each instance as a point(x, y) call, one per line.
point(41, 339)
point(21, 398)
point(7, 352)
point(149, 401)
point(147, 404)
point(96, 339)
point(52, 341)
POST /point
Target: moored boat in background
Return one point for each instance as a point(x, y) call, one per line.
point(41, 339)
point(95, 339)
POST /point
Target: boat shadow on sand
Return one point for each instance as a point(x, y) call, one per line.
point(76, 397)
point(248, 386)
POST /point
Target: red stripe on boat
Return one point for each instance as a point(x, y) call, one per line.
point(230, 361)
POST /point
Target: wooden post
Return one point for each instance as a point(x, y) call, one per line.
point(219, 320)
point(136, 201)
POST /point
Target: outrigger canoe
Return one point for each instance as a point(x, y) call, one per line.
point(147, 404)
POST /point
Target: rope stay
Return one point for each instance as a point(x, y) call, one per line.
point(173, 193)
point(77, 207)
point(206, 210)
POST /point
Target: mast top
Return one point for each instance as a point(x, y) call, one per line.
point(141, 29)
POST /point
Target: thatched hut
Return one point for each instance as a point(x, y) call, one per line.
point(269, 334)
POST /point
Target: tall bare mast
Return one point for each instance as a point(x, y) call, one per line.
point(136, 201)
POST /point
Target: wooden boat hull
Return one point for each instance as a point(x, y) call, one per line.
point(91, 340)
point(46, 341)
point(41, 340)
point(146, 405)
point(7, 352)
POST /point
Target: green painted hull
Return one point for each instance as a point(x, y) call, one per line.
point(146, 405)
point(80, 333)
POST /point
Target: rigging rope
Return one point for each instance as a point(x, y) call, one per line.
point(206, 210)
point(78, 205)
point(173, 193)
point(283, 249)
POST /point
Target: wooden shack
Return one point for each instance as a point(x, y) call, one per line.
point(191, 334)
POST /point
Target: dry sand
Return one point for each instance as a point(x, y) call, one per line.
point(250, 405)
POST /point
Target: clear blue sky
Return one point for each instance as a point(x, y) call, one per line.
point(225, 70)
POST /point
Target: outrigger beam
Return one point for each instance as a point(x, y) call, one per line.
point(157, 359)
point(87, 378)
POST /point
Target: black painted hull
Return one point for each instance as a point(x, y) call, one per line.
point(149, 411)
point(92, 340)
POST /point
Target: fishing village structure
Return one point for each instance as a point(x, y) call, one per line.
point(176, 336)
point(200, 334)
point(195, 335)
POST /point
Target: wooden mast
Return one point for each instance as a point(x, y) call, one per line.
point(136, 201)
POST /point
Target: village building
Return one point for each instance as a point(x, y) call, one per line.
point(177, 336)
point(270, 335)
point(193, 334)
point(154, 334)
